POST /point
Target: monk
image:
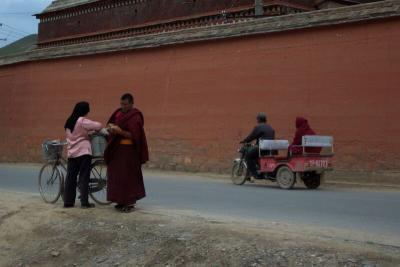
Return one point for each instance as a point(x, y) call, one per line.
point(302, 128)
point(126, 152)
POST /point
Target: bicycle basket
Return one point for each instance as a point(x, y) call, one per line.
point(52, 150)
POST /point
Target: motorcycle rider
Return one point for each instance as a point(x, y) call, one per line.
point(261, 131)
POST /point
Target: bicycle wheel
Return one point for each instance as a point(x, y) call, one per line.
point(98, 183)
point(50, 183)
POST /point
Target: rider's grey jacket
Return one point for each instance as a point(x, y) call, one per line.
point(263, 131)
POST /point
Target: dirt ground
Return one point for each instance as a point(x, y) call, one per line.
point(33, 233)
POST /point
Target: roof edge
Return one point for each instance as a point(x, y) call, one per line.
point(53, 7)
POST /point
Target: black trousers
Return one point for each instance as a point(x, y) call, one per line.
point(81, 166)
point(252, 156)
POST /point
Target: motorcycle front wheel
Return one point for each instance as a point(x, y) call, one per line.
point(239, 172)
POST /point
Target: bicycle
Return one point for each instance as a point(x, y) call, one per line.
point(52, 175)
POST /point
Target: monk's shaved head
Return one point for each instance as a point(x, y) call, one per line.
point(127, 97)
point(126, 102)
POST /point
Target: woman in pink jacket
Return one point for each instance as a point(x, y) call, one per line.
point(77, 128)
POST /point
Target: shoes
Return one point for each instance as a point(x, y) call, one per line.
point(127, 209)
point(87, 205)
point(67, 206)
point(258, 175)
point(124, 208)
point(118, 207)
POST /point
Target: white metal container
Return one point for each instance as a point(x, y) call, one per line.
point(99, 143)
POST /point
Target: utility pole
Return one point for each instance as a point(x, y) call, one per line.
point(2, 39)
point(258, 8)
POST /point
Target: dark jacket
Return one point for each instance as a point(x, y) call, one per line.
point(261, 131)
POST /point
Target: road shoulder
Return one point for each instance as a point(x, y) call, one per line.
point(33, 233)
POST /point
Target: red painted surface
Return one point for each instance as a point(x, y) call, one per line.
point(200, 100)
point(297, 163)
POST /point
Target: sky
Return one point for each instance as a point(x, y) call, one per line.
point(16, 18)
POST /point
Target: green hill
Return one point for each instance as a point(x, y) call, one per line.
point(22, 45)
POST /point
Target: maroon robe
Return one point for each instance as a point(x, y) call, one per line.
point(124, 162)
point(302, 128)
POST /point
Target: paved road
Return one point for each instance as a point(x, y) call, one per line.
point(370, 212)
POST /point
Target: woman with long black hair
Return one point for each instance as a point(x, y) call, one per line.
point(77, 128)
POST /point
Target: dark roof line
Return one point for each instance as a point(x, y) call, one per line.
point(58, 5)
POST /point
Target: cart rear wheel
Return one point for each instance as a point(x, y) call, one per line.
point(312, 180)
point(285, 177)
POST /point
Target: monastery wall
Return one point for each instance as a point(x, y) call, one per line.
point(200, 99)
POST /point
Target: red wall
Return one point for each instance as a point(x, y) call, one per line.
point(200, 99)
